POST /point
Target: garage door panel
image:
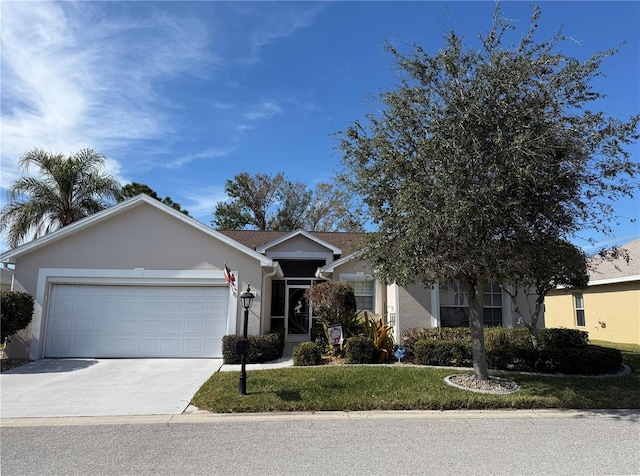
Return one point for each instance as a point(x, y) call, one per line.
point(151, 308)
point(136, 321)
point(84, 326)
point(172, 307)
point(170, 346)
point(150, 326)
point(151, 346)
point(194, 326)
point(193, 345)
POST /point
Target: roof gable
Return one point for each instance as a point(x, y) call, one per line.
point(291, 235)
point(346, 242)
point(109, 213)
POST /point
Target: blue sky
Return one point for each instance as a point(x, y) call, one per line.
point(184, 95)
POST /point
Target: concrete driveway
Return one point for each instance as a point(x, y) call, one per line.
point(100, 387)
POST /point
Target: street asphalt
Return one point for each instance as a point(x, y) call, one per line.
point(531, 442)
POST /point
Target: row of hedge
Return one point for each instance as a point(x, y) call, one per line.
point(563, 351)
point(499, 337)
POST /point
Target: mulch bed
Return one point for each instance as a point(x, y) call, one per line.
point(8, 364)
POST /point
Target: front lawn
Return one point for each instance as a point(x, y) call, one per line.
point(400, 387)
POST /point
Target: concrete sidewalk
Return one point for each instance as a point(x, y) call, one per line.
point(285, 361)
point(274, 364)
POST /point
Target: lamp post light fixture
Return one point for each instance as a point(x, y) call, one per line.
point(242, 348)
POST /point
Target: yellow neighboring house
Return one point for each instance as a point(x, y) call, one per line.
point(609, 308)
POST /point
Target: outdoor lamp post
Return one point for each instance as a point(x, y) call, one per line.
point(242, 348)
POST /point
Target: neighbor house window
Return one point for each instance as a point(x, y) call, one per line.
point(579, 305)
point(454, 305)
point(364, 290)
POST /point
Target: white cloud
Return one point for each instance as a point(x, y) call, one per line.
point(281, 20)
point(264, 110)
point(213, 153)
point(73, 77)
point(202, 202)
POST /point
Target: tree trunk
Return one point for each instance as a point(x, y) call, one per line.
point(476, 323)
point(533, 328)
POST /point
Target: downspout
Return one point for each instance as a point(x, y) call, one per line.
point(323, 274)
point(276, 270)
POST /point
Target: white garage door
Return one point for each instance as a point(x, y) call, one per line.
point(136, 321)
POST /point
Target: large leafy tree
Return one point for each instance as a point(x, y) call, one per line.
point(478, 150)
point(65, 190)
point(272, 202)
point(251, 203)
point(134, 188)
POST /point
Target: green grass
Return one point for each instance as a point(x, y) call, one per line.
point(353, 388)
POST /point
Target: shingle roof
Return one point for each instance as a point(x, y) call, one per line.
point(347, 242)
point(619, 268)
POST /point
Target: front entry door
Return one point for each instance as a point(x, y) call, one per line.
point(298, 315)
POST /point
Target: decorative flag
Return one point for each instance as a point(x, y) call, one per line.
point(230, 278)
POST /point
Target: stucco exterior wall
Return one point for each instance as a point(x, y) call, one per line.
point(413, 308)
point(612, 311)
point(140, 237)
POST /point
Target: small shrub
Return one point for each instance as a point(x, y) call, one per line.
point(500, 338)
point(261, 348)
point(306, 353)
point(560, 338)
point(335, 303)
point(442, 352)
point(360, 350)
point(380, 333)
point(16, 312)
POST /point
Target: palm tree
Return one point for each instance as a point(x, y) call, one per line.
point(67, 189)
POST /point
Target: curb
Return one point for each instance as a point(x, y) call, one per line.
point(206, 417)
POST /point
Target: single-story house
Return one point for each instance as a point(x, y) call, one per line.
point(609, 307)
point(141, 279)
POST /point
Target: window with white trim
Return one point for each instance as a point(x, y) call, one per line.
point(454, 305)
point(578, 300)
point(364, 289)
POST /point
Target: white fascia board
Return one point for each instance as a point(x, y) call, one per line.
point(10, 256)
point(622, 279)
point(600, 282)
point(288, 236)
point(330, 268)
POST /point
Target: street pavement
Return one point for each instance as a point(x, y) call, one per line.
point(331, 443)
